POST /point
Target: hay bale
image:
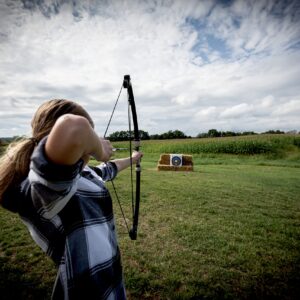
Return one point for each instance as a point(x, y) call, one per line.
point(174, 168)
point(187, 160)
point(164, 159)
point(164, 163)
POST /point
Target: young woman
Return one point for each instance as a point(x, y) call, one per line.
point(64, 203)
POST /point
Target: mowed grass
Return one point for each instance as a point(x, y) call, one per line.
point(228, 230)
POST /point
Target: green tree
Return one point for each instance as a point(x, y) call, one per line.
point(127, 135)
point(213, 133)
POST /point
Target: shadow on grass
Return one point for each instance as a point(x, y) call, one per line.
point(16, 284)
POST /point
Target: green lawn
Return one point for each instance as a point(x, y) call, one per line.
point(228, 230)
point(224, 231)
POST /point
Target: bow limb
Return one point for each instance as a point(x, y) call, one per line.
point(127, 85)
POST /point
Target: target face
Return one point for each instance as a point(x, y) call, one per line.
point(176, 160)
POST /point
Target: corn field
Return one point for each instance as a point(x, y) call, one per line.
point(241, 145)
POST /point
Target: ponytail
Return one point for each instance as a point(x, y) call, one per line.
point(14, 163)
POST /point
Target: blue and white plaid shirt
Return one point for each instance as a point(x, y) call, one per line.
point(68, 212)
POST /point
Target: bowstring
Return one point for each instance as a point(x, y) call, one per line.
point(111, 116)
point(119, 202)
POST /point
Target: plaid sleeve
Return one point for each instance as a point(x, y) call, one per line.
point(52, 185)
point(107, 171)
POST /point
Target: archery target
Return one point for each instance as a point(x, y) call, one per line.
point(176, 160)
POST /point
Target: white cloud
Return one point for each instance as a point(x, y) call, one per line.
point(237, 111)
point(267, 102)
point(233, 66)
point(207, 113)
point(290, 108)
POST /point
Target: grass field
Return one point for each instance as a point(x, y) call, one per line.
point(228, 230)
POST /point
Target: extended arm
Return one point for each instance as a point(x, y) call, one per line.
point(124, 163)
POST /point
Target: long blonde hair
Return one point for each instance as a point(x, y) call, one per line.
point(14, 163)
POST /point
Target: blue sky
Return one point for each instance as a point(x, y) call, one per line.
point(195, 65)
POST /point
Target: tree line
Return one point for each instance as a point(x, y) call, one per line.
point(216, 133)
point(177, 134)
point(171, 134)
point(144, 135)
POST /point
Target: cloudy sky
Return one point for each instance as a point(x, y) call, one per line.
point(194, 65)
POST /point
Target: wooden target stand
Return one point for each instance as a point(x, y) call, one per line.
point(175, 162)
